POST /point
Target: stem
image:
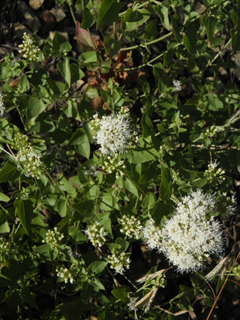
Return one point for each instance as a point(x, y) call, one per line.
point(14, 158)
point(72, 13)
point(233, 119)
point(149, 62)
point(20, 114)
point(147, 43)
point(219, 53)
point(135, 8)
point(213, 306)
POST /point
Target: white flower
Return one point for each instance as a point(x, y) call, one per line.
point(212, 174)
point(96, 234)
point(2, 107)
point(191, 235)
point(188, 241)
point(53, 238)
point(30, 162)
point(131, 227)
point(151, 234)
point(177, 85)
point(114, 133)
point(65, 274)
point(29, 48)
point(119, 261)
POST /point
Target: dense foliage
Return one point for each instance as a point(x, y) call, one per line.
point(119, 170)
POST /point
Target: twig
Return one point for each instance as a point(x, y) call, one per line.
point(213, 306)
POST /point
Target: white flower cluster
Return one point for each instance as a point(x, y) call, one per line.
point(131, 227)
point(114, 133)
point(119, 261)
point(113, 163)
point(30, 162)
point(96, 234)
point(177, 85)
point(152, 235)
point(65, 274)
point(212, 174)
point(29, 48)
point(2, 107)
point(191, 235)
point(53, 238)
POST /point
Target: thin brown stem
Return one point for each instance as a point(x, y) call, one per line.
point(216, 300)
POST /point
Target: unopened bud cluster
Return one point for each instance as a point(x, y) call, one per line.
point(28, 160)
point(168, 148)
point(113, 163)
point(53, 238)
point(209, 133)
point(119, 261)
point(30, 48)
point(2, 107)
point(6, 248)
point(131, 227)
point(66, 274)
point(96, 234)
point(212, 174)
point(114, 133)
point(227, 204)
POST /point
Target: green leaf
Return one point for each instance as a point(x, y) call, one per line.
point(23, 84)
point(97, 266)
point(4, 227)
point(121, 293)
point(5, 281)
point(88, 19)
point(235, 34)
point(159, 211)
point(130, 186)
point(149, 201)
point(146, 126)
point(151, 31)
point(135, 19)
point(25, 213)
point(28, 297)
point(85, 208)
point(9, 172)
point(74, 309)
point(3, 197)
point(60, 43)
point(89, 57)
point(97, 283)
point(210, 23)
point(162, 11)
point(62, 207)
point(105, 221)
point(108, 12)
point(64, 68)
point(190, 38)
point(214, 103)
point(80, 139)
point(76, 73)
point(112, 46)
point(76, 234)
point(165, 186)
point(35, 106)
point(57, 87)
